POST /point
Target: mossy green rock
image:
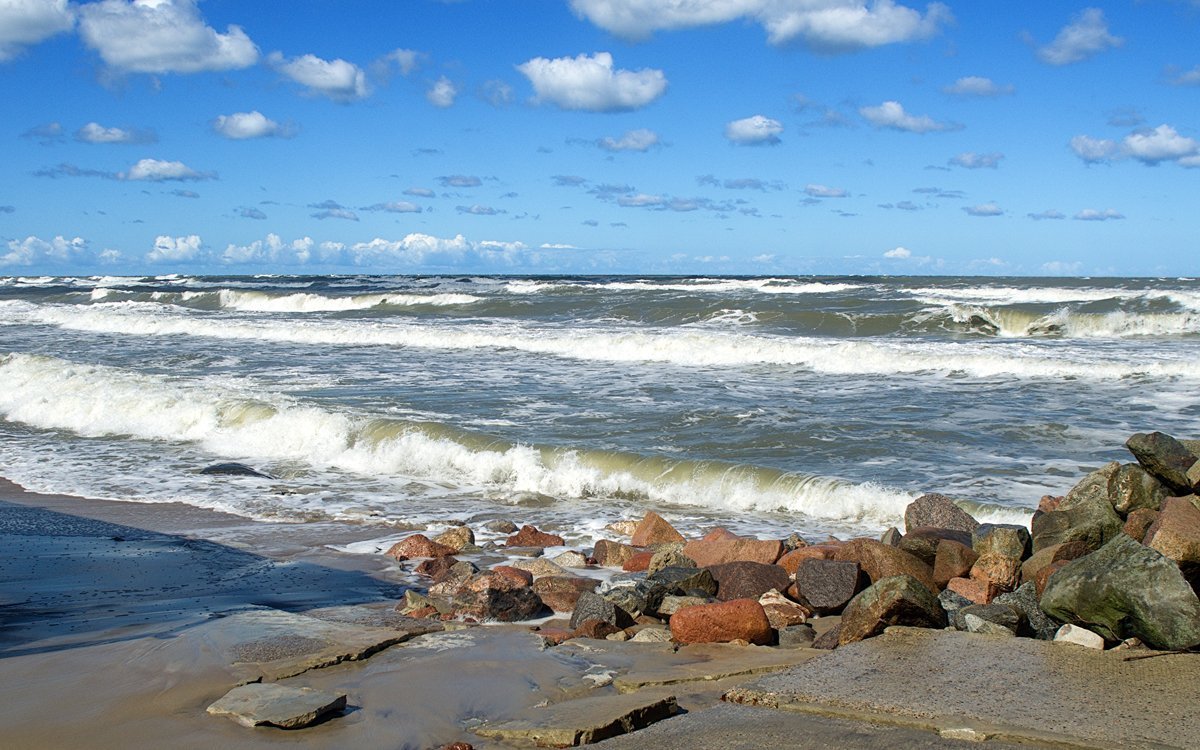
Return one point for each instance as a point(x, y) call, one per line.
point(1086, 514)
point(1123, 590)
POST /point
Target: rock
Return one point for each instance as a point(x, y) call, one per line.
point(654, 529)
point(1139, 522)
point(794, 541)
point(880, 561)
point(781, 611)
point(828, 585)
point(598, 629)
point(418, 545)
point(620, 635)
point(502, 604)
point(1001, 573)
point(672, 603)
point(1079, 636)
point(235, 470)
point(449, 582)
point(979, 591)
point(456, 538)
point(1033, 621)
point(891, 537)
point(529, 536)
point(561, 593)
point(896, 600)
point(500, 527)
point(1133, 488)
point(540, 567)
point(521, 551)
point(1000, 615)
point(1043, 575)
point(1123, 590)
point(1009, 540)
point(952, 560)
point(520, 577)
point(1086, 514)
point(592, 606)
point(796, 636)
point(670, 557)
point(435, 566)
point(829, 639)
point(922, 542)
point(635, 593)
point(624, 528)
point(747, 580)
point(582, 721)
point(1165, 458)
point(938, 511)
point(275, 705)
point(976, 624)
point(493, 579)
point(570, 559)
point(613, 554)
point(793, 559)
point(639, 563)
point(719, 534)
point(722, 622)
point(1054, 553)
point(651, 635)
point(1176, 532)
point(951, 602)
point(718, 552)
point(685, 581)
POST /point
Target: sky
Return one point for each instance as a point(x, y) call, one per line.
point(758, 137)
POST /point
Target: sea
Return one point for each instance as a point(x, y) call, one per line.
point(769, 406)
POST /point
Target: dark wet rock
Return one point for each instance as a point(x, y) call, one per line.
point(1123, 590)
point(951, 602)
point(796, 636)
point(938, 511)
point(953, 560)
point(1009, 540)
point(592, 606)
point(998, 614)
point(1176, 531)
point(654, 529)
point(747, 580)
point(880, 561)
point(828, 640)
point(275, 705)
point(1132, 488)
point(685, 581)
point(722, 622)
point(502, 603)
point(1165, 458)
point(634, 593)
point(896, 600)
point(1086, 514)
point(561, 593)
point(828, 585)
point(530, 536)
point(1034, 622)
point(435, 566)
point(233, 469)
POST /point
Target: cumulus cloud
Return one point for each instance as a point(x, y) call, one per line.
point(161, 36)
point(898, 253)
point(978, 86)
point(590, 83)
point(1093, 149)
point(442, 93)
point(337, 79)
point(754, 131)
point(1092, 214)
point(1049, 214)
point(891, 115)
point(167, 248)
point(156, 170)
point(823, 191)
point(241, 126)
point(94, 132)
point(33, 249)
point(972, 160)
point(634, 140)
point(825, 25)
point(273, 249)
point(27, 22)
point(424, 249)
point(984, 209)
point(1086, 36)
point(1149, 146)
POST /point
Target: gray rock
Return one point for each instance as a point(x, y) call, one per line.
point(1086, 514)
point(592, 606)
point(748, 580)
point(1009, 540)
point(685, 581)
point(500, 526)
point(898, 600)
point(891, 537)
point(582, 721)
point(976, 624)
point(1034, 622)
point(1165, 458)
point(234, 470)
point(794, 541)
point(672, 604)
point(1000, 615)
point(670, 556)
point(1133, 487)
point(796, 636)
point(275, 705)
point(828, 585)
point(652, 635)
point(951, 602)
point(1126, 589)
point(635, 593)
point(938, 511)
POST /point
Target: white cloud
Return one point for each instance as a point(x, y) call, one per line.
point(161, 36)
point(891, 114)
point(898, 253)
point(168, 248)
point(442, 93)
point(756, 130)
point(396, 207)
point(406, 60)
point(1086, 36)
point(1048, 214)
point(1093, 149)
point(640, 200)
point(1161, 144)
point(243, 125)
point(823, 191)
point(1062, 268)
point(972, 160)
point(94, 132)
point(978, 86)
point(634, 140)
point(984, 209)
point(1185, 78)
point(1092, 214)
point(271, 250)
point(155, 170)
point(32, 250)
point(590, 83)
point(497, 93)
point(421, 249)
point(337, 79)
point(27, 22)
point(826, 25)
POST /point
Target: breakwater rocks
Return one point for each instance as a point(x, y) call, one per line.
point(1115, 559)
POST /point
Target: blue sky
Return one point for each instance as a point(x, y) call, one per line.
point(600, 136)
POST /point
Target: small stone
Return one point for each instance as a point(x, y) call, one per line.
point(723, 622)
point(938, 511)
point(976, 590)
point(570, 559)
point(529, 536)
point(1024, 601)
point(654, 529)
point(651, 635)
point(965, 734)
point(794, 541)
point(620, 635)
point(272, 704)
point(500, 527)
point(796, 636)
point(830, 639)
point(997, 614)
point(456, 538)
point(685, 581)
point(418, 545)
point(1079, 636)
point(518, 576)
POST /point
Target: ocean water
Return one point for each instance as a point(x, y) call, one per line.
point(820, 405)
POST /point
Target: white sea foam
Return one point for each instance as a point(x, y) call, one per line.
point(1014, 323)
point(989, 295)
point(254, 301)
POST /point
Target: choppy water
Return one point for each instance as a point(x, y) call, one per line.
point(767, 405)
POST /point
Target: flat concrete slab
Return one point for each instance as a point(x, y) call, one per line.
point(582, 721)
point(1011, 689)
point(273, 705)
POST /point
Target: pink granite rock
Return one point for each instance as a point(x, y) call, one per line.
point(723, 622)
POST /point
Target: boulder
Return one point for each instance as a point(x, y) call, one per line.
point(592, 606)
point(500, 526)
point(670, 557)
point(896, 600)
point(951, 602)
point(639, 563)
point(828, 585)
point(1052, 554)
point(613, 554)
point(502, 603)
point(598, 629)
point(880, 561)
point(529, 536)
point(418, 545)
point(722, 622)
point(720, 551)
point(1043, 575)
point(1139, 522)
point(1165, 458)
point(540, 566)
point(272, 704)
point(672, 603)
point(635, 593)
point(1001, 573)
point(977, 590)
point(891, 537)
point(938, 511)
point(1123, 590)
point(561, 593)
point(1034, 622)
point(922, 542)
point(1133, 488)
point(685, 581)
point(493, 579)
point(747, 580)
point(953, 560)
point(518, 576)
point(570, 559)
point(654, 529)
point(1000, 615)
point(796, 636)
point(1086, 514)
point(624, 527)
point(793, 559)
point(783, 612)
point(435, 566)
point(456, 538)
point(1176, 532)
point(1009, 540)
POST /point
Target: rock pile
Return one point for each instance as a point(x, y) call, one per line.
point(1118, 555)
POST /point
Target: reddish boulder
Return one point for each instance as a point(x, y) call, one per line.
point(792, 560)
point(639, 562)
point(1176, 533)
point(418, 545)
point(435, 566)
point(747, 580)
point(654, 529)
point(717, 552)
point(518, 576)
point(1050, 503)
point(999, 571)
point(938, 511)
point(719, 534)
point(880, 561)
point(952, 560)
point(598, 629)
point(979, 591)
point(561, 593)
point(1043, 557)
point(722, 622)
point(1042, 578)
point(613, 554)
point(529, 536)
point(493, 579)
point(1139, 521)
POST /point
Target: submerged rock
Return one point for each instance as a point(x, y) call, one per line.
point(275, 705)
point(234, 469)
